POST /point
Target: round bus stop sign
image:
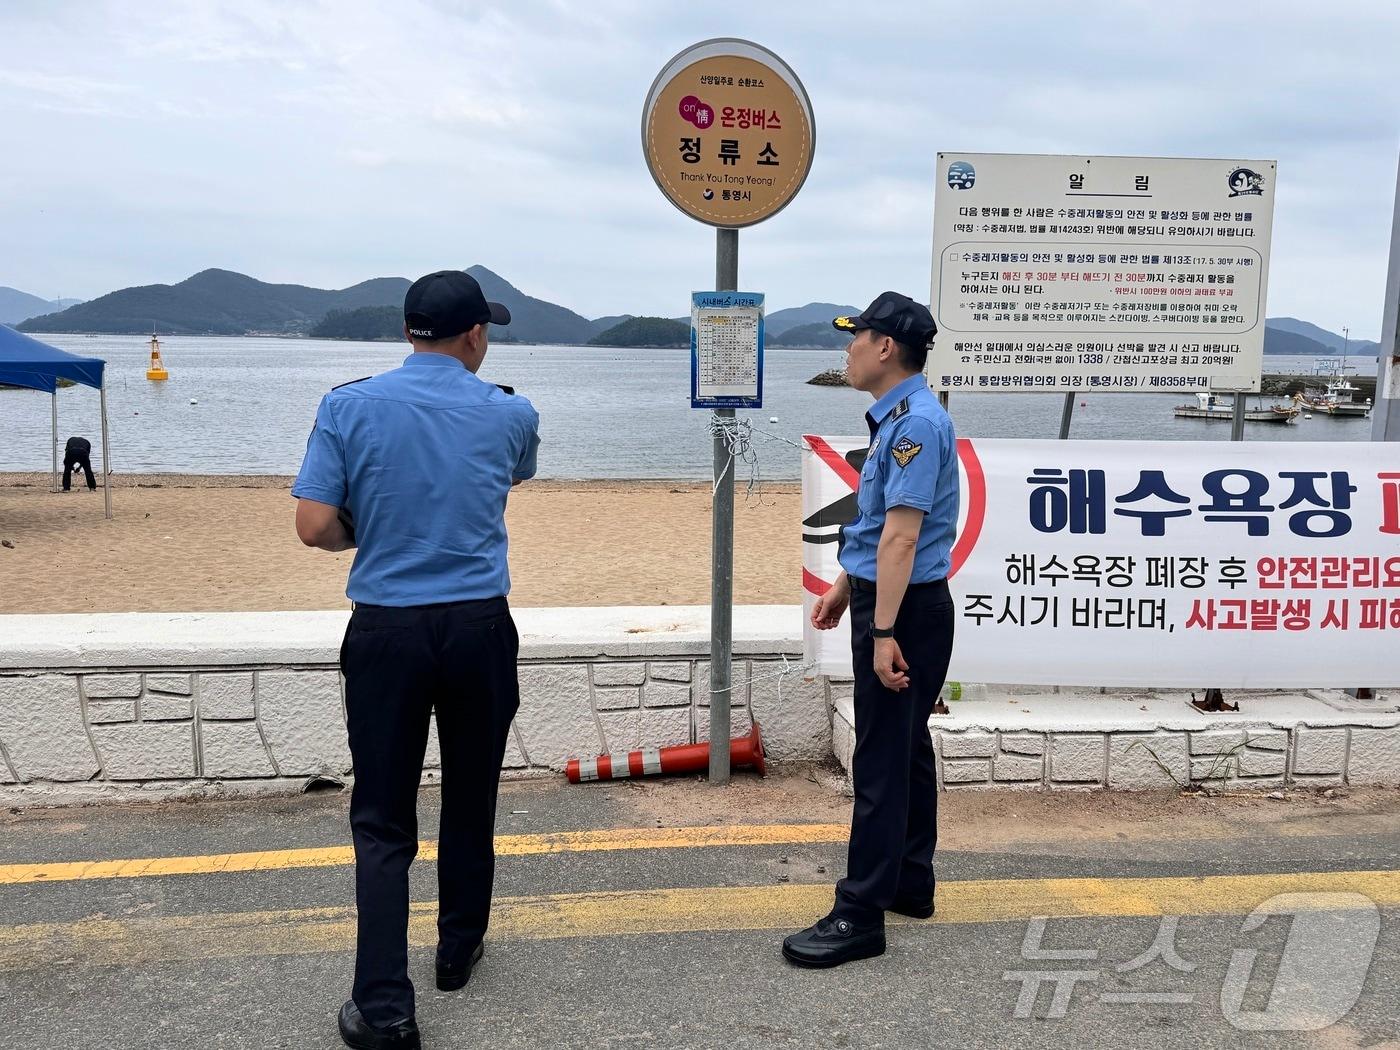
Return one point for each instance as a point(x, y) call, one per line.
point(728, 134)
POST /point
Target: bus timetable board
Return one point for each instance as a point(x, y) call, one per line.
point(726, 350)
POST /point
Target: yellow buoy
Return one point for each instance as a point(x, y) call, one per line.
point(156, 369)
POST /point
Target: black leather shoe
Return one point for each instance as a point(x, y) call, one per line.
point(360, 1034)
point(450, 978)
point(914, 907)
point(834, 941)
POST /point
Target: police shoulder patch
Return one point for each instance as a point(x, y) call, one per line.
point(352, 382)
point(901, 409)
point(904, 451)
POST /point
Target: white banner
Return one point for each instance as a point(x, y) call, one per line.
point(1099, 273)
point(1150, 563)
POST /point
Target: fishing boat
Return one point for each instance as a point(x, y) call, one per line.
point(1219, 406)
point(1338, 399)
point(156, 369)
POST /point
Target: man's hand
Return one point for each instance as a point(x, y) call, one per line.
point(832, 605)
point(890, 665)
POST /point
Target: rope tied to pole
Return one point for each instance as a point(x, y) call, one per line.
point(736, 434)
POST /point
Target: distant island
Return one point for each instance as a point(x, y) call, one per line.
point(645, 331)
point(222, 302)
point(370, 324)
point(17, 306)
point(817, 336)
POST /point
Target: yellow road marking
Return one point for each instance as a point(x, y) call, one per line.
point(506, 846)
point(134, 942)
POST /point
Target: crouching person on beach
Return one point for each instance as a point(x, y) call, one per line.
point(413, 467)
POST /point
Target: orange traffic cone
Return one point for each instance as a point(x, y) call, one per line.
point(682, 758)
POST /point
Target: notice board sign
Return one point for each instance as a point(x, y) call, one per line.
point(1138, 274)
point(726, 350)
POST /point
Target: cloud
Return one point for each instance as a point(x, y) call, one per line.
point(59, 93)
point(330, 140)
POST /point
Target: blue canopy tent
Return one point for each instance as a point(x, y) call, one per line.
point(29, 363)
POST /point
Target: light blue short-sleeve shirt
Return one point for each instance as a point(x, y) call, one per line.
point(423, 457)
point(912, 462)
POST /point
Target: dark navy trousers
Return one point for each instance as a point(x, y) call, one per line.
point(894, 828)
point(401, 665)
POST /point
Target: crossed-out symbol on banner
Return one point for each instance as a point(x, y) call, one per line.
point(843, 510)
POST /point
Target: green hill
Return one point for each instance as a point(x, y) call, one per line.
point(220, 302)
point(16, 306)
point(599, 325)
point(644, 331)
point(820, 335)
point(1332, 342)
point(368, 323)
point(782, 321)
point(531, 320)
point(1279, 341)
point(375, 324)
point(217, 302)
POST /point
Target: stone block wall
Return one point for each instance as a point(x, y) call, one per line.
point(1152, 740)
point(168, 700)
point(267, 723)
point(1155, 759)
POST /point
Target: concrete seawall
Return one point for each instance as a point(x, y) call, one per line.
point(116, 706)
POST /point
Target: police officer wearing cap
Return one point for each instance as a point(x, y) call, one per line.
point(412, 468)
point(895, 559)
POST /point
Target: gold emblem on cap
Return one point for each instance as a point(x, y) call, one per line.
point(845, 322)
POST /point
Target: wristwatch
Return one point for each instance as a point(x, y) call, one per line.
point(880, 632)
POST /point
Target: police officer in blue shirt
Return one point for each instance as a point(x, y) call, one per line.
point(413, 467)
point(895, 559)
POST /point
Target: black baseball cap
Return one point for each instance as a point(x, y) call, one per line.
point(896, 316)
point(447, 303)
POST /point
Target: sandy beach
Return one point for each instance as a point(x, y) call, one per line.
point(207, 543)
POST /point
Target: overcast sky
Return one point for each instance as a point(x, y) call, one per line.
point(326, 143)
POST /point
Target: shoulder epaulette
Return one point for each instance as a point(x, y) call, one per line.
point(352, 382)
point(900, 409)
point(505, 389)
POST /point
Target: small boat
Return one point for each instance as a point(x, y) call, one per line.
point(1219, 406)
point(156, 369)
point(1338, 399)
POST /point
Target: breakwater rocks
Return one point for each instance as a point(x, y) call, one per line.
point(1280, 385)
point(831, 377)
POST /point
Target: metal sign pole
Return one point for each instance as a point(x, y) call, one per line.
point(1237, 418)
point(106, 460)
point(722, 548)
point(1066, 415)
point(54, 421)
point(1385, 413)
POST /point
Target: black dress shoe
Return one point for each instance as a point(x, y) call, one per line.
point(360, 1034)
point(914, 907)
point(833, 941)
point(450, 978)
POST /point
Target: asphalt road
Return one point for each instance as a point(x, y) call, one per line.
point(634, 915)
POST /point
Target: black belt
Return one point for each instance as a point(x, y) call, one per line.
point(859, 584)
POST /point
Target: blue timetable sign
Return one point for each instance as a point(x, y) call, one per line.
point(726, 350)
